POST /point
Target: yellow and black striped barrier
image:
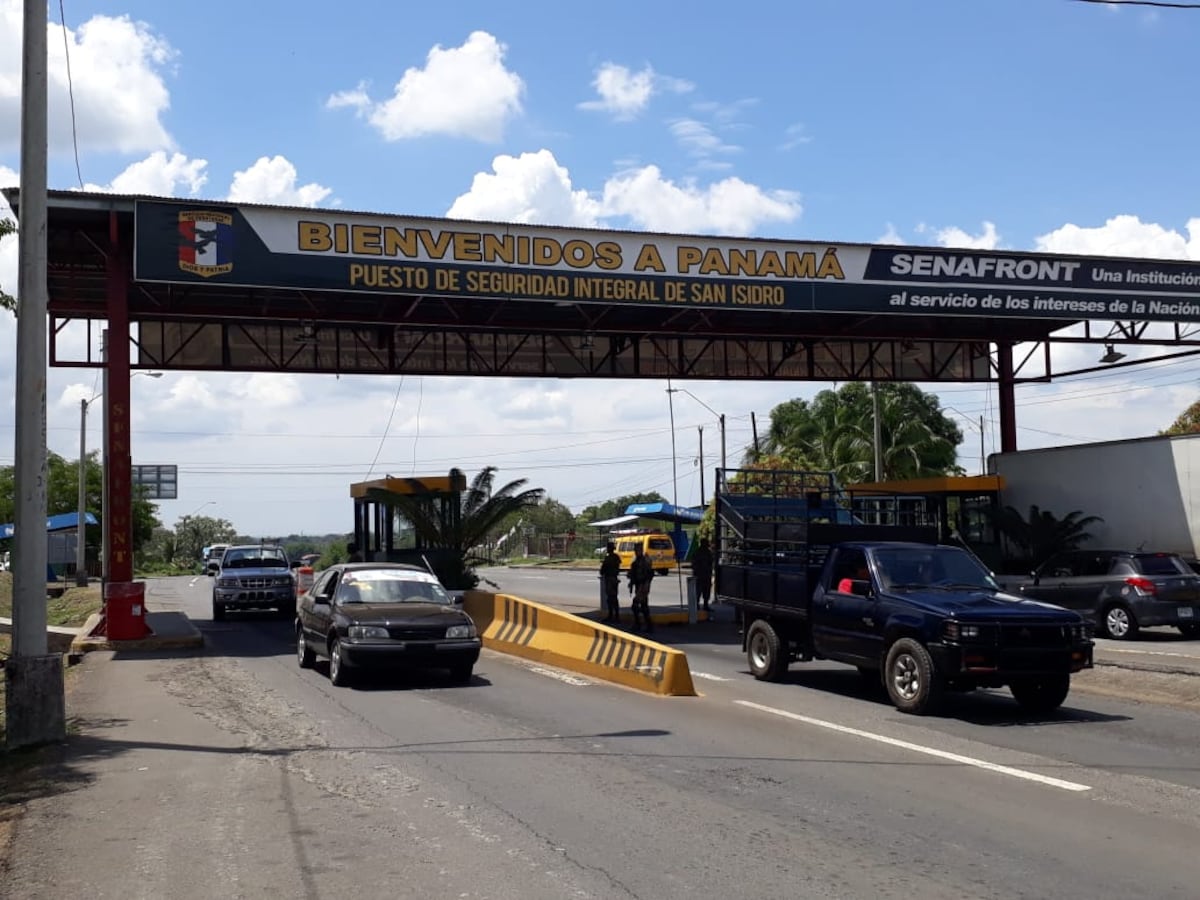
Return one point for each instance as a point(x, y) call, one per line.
point(539, 632)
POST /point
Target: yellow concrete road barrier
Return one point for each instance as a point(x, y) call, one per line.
point(535, 631)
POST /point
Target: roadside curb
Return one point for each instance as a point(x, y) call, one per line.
point(170, 631)
point(1159, 668)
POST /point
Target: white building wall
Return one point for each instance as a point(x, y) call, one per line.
point(1147, 490)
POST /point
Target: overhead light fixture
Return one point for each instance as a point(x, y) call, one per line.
point(909, 350)
point(1111, 355)
point(588, 341)
point(307, 333)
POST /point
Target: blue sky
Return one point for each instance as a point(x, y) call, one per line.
point(1052, 125)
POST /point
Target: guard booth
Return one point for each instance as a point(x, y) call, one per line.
point(383, 529)
point(964, 505)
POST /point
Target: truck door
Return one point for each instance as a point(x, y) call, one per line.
point(844, 616)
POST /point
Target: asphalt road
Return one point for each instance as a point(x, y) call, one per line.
point(555, 785)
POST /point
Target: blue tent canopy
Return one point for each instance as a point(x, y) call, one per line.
point(666, 511)
point(61, 522)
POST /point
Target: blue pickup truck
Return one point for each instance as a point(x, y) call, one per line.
point(922, 617)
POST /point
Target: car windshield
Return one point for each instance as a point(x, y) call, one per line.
point(265, 557)
point(389, 587)
point(917, 567)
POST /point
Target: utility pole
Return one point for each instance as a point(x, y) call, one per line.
point(703, 496)
point(81, 576)
point(35, 701)
point(877, 431)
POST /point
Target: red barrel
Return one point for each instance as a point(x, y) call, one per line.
point(125, 610)
point(304, 579)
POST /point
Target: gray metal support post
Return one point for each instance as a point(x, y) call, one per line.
point(35, 701)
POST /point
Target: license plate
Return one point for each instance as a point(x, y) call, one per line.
point(1185, 612)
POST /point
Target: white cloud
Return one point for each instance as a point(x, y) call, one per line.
point(956, 237)
point(531, 188)
point(730, 206)
point(623, 94)
point(698, 139)
point(159, 175)
point(462, 92)
point(890, 236)
point(273, 180)
point(1124, 235)
point(116, 79)
point(793, 136)
point(535, 188)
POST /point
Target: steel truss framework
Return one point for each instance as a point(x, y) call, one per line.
point(217, 327)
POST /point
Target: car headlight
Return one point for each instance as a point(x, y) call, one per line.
point(358, 632)
point(461, 631)
point(227, 582)
point(283, 579)
point(957, 631)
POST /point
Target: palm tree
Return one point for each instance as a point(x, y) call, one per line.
point(1043, 534)
point(459, 533)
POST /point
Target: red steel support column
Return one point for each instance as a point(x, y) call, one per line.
point(118, 461)
point(1007, 398)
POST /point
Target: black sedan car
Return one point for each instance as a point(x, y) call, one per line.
point(380, 616)
point(1121, 590)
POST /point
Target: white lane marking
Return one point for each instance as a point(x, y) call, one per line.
point(1149, 652)
point(917, 748)
point(561, 676)
point(709, 676)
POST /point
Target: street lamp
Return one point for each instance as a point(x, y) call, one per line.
point(720, 421)
point(81, 576)
point(979, 428)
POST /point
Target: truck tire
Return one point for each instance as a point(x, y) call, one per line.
point(218, 611)
point(913, 684)
point(1189, 631)
point(1041, 695)
point(764, 652)
point(1118, 622)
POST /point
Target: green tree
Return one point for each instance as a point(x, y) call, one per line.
point(834, 432)
point(194, 533)
point(7, 301)
point(62, 496)
point(1188, 421)
point(463, 537)
point(1043, 534)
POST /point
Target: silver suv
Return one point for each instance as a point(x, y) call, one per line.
point(254, 576)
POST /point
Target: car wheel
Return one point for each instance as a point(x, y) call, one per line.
point(1041, 695)
point(913, 683)
point(1189, 631)
point(1119, 623)
point(338, 675)
point(218, 611)
point(764, 652)
point(461, 674)
point(304, 653)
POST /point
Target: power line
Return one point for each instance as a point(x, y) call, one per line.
point(1160, 3)
point(62, 14)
